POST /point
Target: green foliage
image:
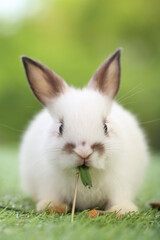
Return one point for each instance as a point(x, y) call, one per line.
point(144, 225)
point(27, 224)
point(85, 176)
point(73, 38)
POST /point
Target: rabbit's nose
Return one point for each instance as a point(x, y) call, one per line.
point(83, 151)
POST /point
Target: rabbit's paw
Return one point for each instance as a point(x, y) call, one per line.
point(123, 208)
point(50, 206)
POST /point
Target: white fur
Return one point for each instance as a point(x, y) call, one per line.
point(48, 173)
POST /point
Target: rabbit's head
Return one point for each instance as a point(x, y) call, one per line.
point(82, 132)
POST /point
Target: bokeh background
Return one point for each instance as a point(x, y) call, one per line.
point(73, 37)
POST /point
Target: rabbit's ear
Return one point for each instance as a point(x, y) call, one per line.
point(44, 83)
point(107, 78)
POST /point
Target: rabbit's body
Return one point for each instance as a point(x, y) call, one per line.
point(117, 159)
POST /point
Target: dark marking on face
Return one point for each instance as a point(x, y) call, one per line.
point(99, 147)
point(68, 147)
point(83, 143)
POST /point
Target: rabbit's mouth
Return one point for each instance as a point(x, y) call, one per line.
point(83, 162)
point(86, 163)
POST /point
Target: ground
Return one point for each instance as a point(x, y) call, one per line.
point(26, 224)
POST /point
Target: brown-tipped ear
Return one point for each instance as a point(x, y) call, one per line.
point(44, 83)
point(107, 78)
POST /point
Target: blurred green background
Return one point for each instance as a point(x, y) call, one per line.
point(73, 37)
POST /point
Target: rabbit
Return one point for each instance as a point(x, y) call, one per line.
point(82, 127)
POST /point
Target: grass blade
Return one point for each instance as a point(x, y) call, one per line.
point(75, 196)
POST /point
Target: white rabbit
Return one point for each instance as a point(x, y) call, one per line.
point(82, 126)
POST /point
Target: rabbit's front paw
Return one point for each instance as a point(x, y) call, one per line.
point(49, 206)
point(123, 208)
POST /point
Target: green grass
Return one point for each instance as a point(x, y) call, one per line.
point(26, 224)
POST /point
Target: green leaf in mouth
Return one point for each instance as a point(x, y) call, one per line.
point(85, 176)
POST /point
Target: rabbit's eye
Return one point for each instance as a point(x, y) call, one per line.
point(105, 128)
point(61, 129)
